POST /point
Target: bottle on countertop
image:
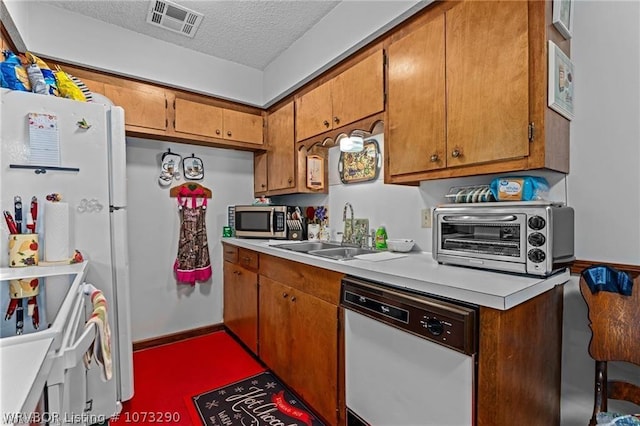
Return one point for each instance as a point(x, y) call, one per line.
point(381, 238)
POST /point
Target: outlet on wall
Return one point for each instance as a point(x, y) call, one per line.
point(426, 218)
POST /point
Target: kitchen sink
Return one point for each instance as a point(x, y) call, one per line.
point(308, 246)
point(341, 253)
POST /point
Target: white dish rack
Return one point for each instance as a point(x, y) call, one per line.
point(470, 194)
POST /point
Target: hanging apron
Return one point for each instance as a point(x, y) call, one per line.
point(192, 263)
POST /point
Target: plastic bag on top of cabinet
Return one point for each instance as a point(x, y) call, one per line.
point(49, 78)
point(36, 79)
point(14, 76)
point(68, 89)
point(520, 188)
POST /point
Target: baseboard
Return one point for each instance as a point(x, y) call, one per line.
point(579, 265)
point(176, 337)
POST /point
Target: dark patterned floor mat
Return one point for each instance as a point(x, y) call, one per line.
point(258, 400)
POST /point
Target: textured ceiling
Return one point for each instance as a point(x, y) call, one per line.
point(247, 32)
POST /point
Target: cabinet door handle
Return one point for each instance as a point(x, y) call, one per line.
point(326, 123)
point(237, 272)
point(336, 120)
point(217, 131)
point(263, 185)
point(434, 158)
point(456, 153)
point(290, 180)
point(229, 133)
point(285, 295)
point(293, 298)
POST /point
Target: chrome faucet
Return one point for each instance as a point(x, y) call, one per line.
point(351, 239)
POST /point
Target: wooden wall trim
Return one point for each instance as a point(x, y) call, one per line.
point(176, 337)
point(4, 34)
point(579, 265)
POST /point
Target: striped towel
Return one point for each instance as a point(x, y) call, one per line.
point(102, 354)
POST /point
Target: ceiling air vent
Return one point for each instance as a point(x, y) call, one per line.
point(174, 17)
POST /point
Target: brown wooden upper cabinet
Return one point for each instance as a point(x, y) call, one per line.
point(459, 87)
point(260, 183)
point(144, 106)
point(487, 82)
point(281, 154)
point(94, 86)
point(356, 93)
point(417, 105)
point(282, 169)
point(202, 119)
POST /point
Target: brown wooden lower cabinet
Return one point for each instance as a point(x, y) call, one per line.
point(298, 341)
point(298, 327)
point(520, 357)
point(241, 295)
point(298, 331)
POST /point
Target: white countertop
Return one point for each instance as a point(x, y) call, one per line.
point(24, 361)
point(25, 368)
point(418, 271)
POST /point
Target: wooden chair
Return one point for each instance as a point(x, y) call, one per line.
point(614, 320)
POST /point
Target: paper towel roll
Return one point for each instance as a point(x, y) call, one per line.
point(56, 231)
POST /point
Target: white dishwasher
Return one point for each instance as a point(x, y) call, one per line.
point(410, 359)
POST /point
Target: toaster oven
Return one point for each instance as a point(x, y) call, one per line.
point(533, 238)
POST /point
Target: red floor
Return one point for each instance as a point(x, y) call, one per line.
point(164, 376)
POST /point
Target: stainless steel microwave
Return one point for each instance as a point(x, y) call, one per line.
point(533, 238)
point(257, 221)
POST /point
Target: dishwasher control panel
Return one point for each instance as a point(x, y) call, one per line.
point(445, 322)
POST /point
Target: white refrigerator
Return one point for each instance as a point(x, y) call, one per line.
point(85, 155)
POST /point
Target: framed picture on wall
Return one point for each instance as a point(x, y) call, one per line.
point(561, 82)
point(563, 17)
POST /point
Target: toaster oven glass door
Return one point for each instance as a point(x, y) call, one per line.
point(499, 237)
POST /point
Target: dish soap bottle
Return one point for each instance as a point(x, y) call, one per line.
point(381, 238)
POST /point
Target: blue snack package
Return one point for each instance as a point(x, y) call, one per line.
point(13, 73)
point(519, 188)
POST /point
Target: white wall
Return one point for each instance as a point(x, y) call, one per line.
point(604, 182)
point(160, 306)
